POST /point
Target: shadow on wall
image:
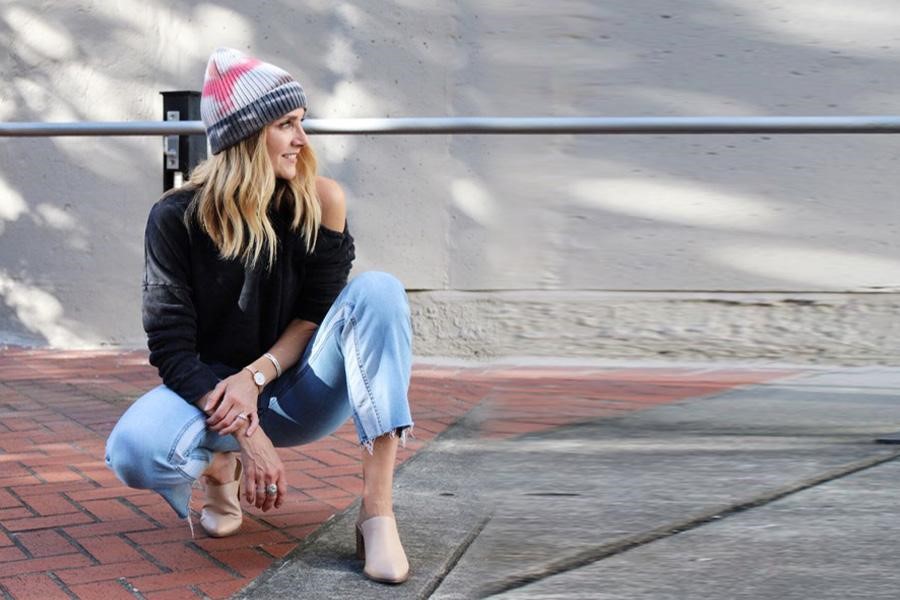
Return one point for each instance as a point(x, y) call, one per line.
point(51, 227)
point(72, 210)
point(790, 213)
point(508, 212)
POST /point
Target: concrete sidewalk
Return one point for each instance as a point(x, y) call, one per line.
point(606, 480)
point(771, 490)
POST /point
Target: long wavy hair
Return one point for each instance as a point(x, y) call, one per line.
point(234, 190)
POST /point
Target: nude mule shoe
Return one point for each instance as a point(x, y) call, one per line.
point(378, 543)
point(222, 514)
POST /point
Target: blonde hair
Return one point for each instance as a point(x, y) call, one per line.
point(234, 190)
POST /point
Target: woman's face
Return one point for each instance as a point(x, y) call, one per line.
point(284, 139)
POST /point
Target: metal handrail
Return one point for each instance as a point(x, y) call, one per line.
point(497, 125)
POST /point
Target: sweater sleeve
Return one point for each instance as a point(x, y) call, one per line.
point(168, 312)
point(327, 269)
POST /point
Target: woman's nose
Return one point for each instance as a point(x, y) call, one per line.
point(300, 138)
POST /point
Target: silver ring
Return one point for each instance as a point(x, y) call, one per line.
point(242, 416)
point(271, 489)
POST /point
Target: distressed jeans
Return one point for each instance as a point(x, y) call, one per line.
point(357, 365)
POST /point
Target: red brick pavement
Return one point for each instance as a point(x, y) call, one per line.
point(68, 528)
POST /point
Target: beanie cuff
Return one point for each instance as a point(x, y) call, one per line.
point(252, 118)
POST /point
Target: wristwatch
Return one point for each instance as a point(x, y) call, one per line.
point(259, 378)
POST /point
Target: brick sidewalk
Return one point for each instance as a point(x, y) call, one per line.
point(68, 528)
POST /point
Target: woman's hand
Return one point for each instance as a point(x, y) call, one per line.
point(262, 467)
point(231, 405)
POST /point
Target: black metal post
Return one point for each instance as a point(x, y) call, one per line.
point(181, 153)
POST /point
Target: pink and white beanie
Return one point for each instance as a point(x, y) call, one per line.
point(242, 94)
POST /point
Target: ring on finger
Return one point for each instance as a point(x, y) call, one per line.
point(271, 489)
point(242, 416)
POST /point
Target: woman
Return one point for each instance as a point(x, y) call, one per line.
point(258, 338)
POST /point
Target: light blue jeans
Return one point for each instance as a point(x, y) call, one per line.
point(357, 365)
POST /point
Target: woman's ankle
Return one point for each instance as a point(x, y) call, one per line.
point(221, 468)
point(375, 508)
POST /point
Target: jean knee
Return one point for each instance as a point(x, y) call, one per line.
point(128, 455)
point(382, 292)
point(141, 453)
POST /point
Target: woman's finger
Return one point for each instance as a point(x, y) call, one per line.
point(256, 491)
point(260, 493)
point(253, 487)
point(215, 396)
point(267, 499)
point(273, 500)
point(254, 424)
point(249, 486)
point(270, 498)
point(241, 421)
point(227, 420)
point(282, 490)
point(222, 410)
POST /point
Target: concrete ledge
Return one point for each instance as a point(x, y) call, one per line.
point(836, 328)
point(789, 328)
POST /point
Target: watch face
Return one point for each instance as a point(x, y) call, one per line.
point(259, 378)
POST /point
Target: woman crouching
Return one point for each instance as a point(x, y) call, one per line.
point(259, 339)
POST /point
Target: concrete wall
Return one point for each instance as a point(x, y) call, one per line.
point(509, 244)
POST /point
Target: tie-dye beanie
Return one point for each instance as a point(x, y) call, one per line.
point(242, 94)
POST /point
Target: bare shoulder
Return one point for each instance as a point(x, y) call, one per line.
point(333, 203)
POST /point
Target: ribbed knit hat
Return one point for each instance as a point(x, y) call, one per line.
point(242, 94)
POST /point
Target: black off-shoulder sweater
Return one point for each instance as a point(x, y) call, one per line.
point(207, 317)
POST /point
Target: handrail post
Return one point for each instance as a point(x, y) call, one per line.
point(181, 153)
